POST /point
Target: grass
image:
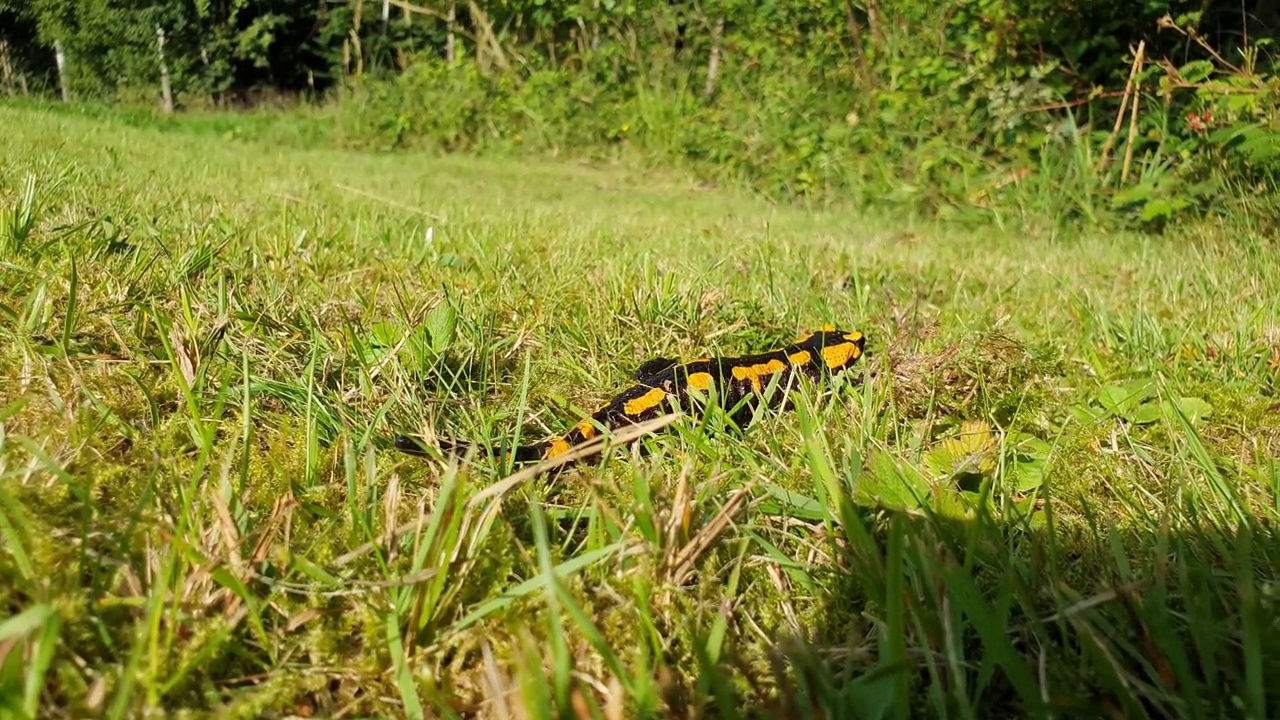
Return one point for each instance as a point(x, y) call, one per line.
point(1053, 494)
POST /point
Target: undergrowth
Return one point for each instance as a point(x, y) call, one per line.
point(1000, 142)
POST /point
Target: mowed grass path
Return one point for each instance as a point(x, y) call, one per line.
point(1049, 492)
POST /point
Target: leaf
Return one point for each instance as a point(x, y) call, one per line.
point(441, 324)
point(1259, 146)
point(1111, 398)
point(796, 505)
point(1030, 455)
point(1144, 414)
point(1225, 135)
point(1030, 446)
point(1132, 195)
point(1196, 70)
point(968, 450)
point(948, 503)
point(26, 621)
point(892, 484)
point(1194, 408)
point(538, 582)
point(1119, 399)
point(404, 678)
point(1085, 415)
point(1028, 476)
point(1162, 208)
point(384, 335)
point(871, 696)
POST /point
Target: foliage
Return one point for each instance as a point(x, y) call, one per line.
point(939, 107)
point(924, 106)
point(212, 47)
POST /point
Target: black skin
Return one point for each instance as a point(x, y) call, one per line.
point(740, 396)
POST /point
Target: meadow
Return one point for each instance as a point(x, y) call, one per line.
point(1050, 489)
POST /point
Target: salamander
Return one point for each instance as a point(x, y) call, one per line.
point(663, 385)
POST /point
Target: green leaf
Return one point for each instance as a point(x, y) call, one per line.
point(385, 335)
point(1144, 414)
point(1259, 145)
point(1111, 398)
point(1028, 476)
point(1132, 195)
point(1030, 446)
point(797, 505)
point(1162, 208)
point(404, 679)
point(442, 324)
point(1085, 415)
point(26, 621)
point(1194, 408)
point(1119, 399)
point(1196, 70)
point(871, 696)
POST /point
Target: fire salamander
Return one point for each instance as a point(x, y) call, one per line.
point(662, 386)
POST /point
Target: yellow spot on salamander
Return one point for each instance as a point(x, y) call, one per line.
point(754, 372)
point(800, 358)
point(853, 336)
point(587, 429)
point(701, 381)
point(647, 401)
point(837, 356)
point(558, 447)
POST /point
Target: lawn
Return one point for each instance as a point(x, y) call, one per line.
point(1050, 489)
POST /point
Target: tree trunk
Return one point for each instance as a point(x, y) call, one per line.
point(713, 63)
point(166, 91)
point(61, 59)
point(450, 53)
point(855, 35)
point(6, 72)
point(873, 24)
point(486, 36)
point(355, 37)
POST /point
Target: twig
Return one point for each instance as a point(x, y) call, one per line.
point(621, 437)
point(1167, 22)
point(682, 565)
point(1177, 81)
point(388, 201)
point(1133, 135)
point(498, 490)
point(1065, 104)
point(1106, 596)
point(449, 18)
point(484, 30)
point(1128, 92)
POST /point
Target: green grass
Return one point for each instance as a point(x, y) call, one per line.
point(1053, 494)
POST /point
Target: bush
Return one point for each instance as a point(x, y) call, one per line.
point(967, 109)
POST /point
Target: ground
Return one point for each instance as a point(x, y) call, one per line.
point(1050, 489)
